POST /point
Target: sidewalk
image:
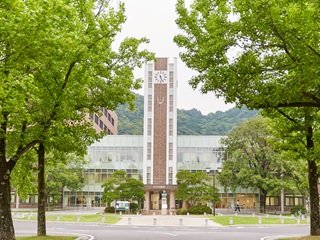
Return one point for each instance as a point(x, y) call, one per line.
point(165, 220)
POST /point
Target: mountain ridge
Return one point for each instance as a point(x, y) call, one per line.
point(189, 122)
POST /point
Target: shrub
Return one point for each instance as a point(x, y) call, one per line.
point(298, 210)
point(181, 211)
point(134, 207)
point(200, 209)
point(110, 210)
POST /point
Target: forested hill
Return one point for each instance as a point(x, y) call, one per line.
point(190, 122)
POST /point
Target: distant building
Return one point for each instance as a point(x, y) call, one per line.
point(105, 121)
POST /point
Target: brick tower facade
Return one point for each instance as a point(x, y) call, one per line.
point(160, 133)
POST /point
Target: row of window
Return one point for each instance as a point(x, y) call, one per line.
point(100, 123)
point(289, 200)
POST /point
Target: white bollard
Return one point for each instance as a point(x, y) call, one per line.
point(154, 221)
point(259, 220)
point(231, 221)
point(205, 214)
point(253, 214)
point(282, 220)
point(180, 221)
point(206, 221)
point(78, 218)
point(129, 221)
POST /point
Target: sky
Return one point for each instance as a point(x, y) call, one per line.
point(155, 20)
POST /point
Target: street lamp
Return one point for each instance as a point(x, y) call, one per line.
point(208, 170)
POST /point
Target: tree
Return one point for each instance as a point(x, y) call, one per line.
point(264, 55)
point(57, 64)
point(255, 161)
point(61, 174)
point(194, 188)
point(121, 187)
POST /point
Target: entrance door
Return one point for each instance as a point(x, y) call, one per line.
point(155, 201)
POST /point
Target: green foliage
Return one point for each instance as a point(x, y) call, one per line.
point(58, 63)
point(121, 187)
point(134, 207)
point(190, 122)
point(263, 55)
point(194, 187)
point(182, 211)
point(255, 160)
point(298, 211)
point(110, 209)
point(199, 210)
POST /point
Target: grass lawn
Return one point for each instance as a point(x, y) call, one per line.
point(225, 220)
point(108, 218)
point(47, 238)
point(302, 238)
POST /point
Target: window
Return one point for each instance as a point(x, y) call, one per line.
point(105, 112)
point(149, 79)
point(149, 126)
point(170, 175)
point(171, 103)
point(170, 151)
point(171, 79)
point(101, 124)
point(149, 103)
point(272, 201)
point(291, 200)
point(170, 127)
point(148, 175)
point(96, 119)
point(149, 151)
point(112, 121)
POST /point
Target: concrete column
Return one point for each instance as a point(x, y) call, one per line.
point(17, 200)
point(146, 205)
point(172, 200)
point(282, 200)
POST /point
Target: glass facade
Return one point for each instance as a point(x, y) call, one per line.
point(117, 152)
point(120, 152)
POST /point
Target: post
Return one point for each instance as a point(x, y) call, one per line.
point(214, 193)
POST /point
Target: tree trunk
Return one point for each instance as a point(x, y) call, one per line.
point(263, 196)
point(6, 223)
point(313, 188)
point(41, 192)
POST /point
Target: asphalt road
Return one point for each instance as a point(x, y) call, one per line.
point(130, 232)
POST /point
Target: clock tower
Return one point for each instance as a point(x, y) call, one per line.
point(160, 134)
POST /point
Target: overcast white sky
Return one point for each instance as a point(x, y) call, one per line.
point(155, 20)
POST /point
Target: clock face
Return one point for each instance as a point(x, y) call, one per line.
point(160, 77)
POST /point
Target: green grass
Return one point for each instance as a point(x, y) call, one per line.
point(108, 218)
point(47, 238)
point(302, 238)
point(225, 220)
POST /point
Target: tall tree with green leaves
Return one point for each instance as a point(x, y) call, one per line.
point(194, 188)
point(57, 64)
point(256, 161)
point(120, 187)
point(264, 55)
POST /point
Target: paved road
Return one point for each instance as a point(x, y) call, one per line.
point(157, 232)
point(158, 227)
